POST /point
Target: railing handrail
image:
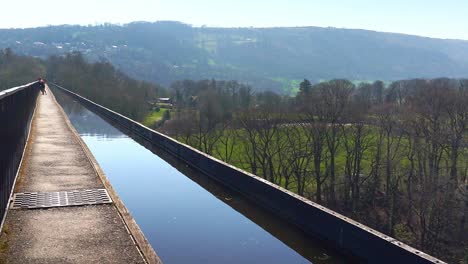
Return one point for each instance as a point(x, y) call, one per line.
point(17, 106)
point(13, 90)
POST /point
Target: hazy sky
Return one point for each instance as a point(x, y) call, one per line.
point(434, 18)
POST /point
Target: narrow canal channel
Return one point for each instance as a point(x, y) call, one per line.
point(187, 217)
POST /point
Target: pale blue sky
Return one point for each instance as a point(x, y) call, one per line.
point(433, 18)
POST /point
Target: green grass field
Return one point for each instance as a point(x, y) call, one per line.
point(239, 145)
point(289, 87)
point(153, 117)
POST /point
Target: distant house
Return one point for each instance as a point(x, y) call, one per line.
point(164, 100)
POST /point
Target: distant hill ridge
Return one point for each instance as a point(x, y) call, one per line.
point(266, 58)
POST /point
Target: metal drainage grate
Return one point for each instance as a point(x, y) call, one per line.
point(32, 200)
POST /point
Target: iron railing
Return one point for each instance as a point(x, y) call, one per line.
point(16, 110)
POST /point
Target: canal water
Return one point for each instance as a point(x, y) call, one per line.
point(187, 217)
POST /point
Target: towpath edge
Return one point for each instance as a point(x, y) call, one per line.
point(56, 159)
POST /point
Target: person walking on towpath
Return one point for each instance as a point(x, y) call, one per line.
point(42, 83)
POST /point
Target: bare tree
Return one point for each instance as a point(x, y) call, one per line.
point(299, 157)
point(227, 142)
point(356, 142)
point(334, 97)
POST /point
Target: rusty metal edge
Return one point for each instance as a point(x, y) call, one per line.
point(137, 235)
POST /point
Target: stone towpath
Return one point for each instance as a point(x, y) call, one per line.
point(56, 161)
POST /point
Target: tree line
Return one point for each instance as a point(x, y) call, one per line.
point(391, 156)
point(17, 70)
point(99, 81)
point(270, 58)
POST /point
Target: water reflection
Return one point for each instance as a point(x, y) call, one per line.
point(186, 216)
point(86, 122)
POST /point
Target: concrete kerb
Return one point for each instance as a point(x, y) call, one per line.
point(132, 227)
point(236, 179)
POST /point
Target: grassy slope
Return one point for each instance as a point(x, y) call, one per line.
point(153, 117)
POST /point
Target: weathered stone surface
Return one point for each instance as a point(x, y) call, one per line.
point(55, 161)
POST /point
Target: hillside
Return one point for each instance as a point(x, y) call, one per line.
point(266, 58)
